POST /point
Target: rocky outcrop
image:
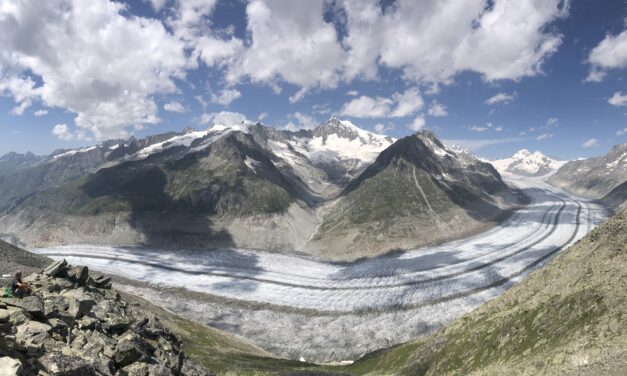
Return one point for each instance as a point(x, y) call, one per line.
point(75, 324)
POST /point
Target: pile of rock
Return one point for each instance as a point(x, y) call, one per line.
point(75, 324)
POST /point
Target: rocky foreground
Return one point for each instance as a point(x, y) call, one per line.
point(75, 324)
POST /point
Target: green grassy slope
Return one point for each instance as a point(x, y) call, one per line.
point(566, 318)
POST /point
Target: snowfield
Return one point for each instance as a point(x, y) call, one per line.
point(300, 307)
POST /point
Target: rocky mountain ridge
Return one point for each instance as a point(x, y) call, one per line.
point(593, 177)
point(75, 324)
point(243, 185)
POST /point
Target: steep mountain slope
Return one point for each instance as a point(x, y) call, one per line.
point(416, 192)
point(175, 196)
point(526, 163)
point(248, 185)
point(593, 177)
point(22, 175)
point(567, 318)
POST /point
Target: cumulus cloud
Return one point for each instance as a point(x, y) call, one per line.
point(299, 120)
point(503, 98)
point(591, 143)
point(610, 53)
point(289, 41)
point(226, 118)
point(63, 132)
point(352, 93)
point(399, 105)
point(383, 128)
point(174, 106)
point(367, 107)
point(225, 97)
point(437, 109)
point(39, 113)
point(503, 40)
point(618, 99)
point(544, 136)
point(407, 103)
point(81, 53)
point(621, 132)
point(418, 123)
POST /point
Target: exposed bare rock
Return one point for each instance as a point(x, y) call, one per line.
point(68, 327)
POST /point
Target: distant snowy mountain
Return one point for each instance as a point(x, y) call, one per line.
point(526, 163)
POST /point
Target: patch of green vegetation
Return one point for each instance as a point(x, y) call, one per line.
point(390, 194)
point(222, 354)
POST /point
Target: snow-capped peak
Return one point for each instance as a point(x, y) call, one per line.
point(527, 163)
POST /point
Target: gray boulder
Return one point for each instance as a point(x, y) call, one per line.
point(80, 302)
point(59, 364)
point(55, 268)
point(78, 274)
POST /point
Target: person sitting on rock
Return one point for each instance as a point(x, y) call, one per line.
point(18, 287)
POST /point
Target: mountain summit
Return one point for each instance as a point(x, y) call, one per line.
point(526, 163)
point(416, 192)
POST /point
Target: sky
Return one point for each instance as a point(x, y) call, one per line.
point(492, 75)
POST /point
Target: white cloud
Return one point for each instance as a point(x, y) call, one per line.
point(174, 106)
point(40, 113)
point(157, 5)
point(621, 132)
point(63, 132)
point(498, 129)
point(610, 53)
point(407, 103)
point(262, 116)
point(418, 123)
point(225, 97)
point(476, 128)
point(437, 109)
point(544, 136)
point(508, 40)
point(618, 99)
point(503, 98)
point(299, 120)
point(591, 143)
point(227, 118)
point(352, 93)
point(552, 121)
point(82, 53)
point(480, 144)
point(383, 128)
point(289, 41)
point(322, 109)
point(400, 105)
point(367, 107)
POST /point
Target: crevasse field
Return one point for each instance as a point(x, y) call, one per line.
point(308, 309)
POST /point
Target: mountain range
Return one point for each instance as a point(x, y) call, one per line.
point(249, 185)
point(526, 163)
point(604, 177)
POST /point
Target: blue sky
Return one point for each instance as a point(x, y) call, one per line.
point(496, 76)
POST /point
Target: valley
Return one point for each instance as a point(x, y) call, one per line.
point(326, 311)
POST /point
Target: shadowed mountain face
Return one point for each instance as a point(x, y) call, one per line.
point(593, 177)
point(416, 192)
point(253, 186)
